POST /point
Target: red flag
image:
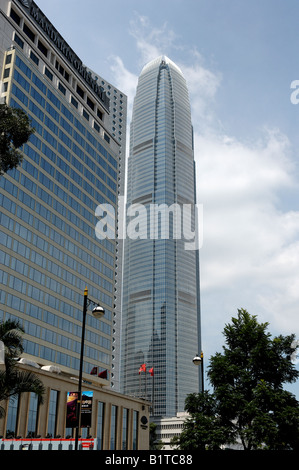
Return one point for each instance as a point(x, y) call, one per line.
point(142, 368)
point(151, 371)
point(94, 371)
point(103, 374)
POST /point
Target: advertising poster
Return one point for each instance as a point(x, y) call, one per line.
point(71, 407)
point(86, 409)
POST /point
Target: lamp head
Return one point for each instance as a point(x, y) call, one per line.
point(98, 311)
point(197, 360)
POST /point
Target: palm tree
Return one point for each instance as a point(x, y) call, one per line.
point(13, 381)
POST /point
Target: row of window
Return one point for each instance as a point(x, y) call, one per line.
point(53, 416)
point(81, 223)
point(75, 206)
point(88, 247)
point(72, 146)
point(57, 321)
point(60, 106)
point(52, 284)
point(50, 233)
point(49, 266)
point(63, 151)
point(92, 356)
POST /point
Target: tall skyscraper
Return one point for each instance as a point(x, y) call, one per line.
point(161, 308)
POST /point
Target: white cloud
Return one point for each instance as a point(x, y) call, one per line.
point(125, 80)
point(151, 41)
point(250, 246)
point(203, 85)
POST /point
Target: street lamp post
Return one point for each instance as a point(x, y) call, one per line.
point(198, 361)
point(98, 312)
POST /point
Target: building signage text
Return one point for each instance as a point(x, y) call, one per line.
point(68, 53)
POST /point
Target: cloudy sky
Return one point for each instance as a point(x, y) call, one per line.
point(240, 60)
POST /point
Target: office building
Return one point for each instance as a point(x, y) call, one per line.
point(161, 308)
point(169, 428)
point(49, 250)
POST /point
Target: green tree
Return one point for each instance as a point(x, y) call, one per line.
point(15, 130)
point(249, 404)
point(204, 429)
point(12, 380)
point(154, 444)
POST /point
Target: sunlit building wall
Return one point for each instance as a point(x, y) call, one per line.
point(72, 163)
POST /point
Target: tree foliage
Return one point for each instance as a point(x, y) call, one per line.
point(154, 444)
point(15, 130)
point(12, 380)
point(249, 404)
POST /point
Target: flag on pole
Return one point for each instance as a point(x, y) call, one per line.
point(94, 371)
point(142, 368)
point(151, 371)
point(103, 374)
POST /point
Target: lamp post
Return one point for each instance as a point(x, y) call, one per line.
point(198, 361)
point(97, 312)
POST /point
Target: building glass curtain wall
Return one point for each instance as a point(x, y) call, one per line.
point(49, 251)
point(161, 314)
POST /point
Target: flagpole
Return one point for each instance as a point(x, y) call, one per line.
point(153, 394)
point(139, 385)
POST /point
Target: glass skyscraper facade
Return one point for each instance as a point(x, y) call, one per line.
point(161, 305)
point(49, 251)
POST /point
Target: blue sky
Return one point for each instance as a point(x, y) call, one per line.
point(239, 59)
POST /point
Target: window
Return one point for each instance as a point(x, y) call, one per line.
point(80, 91)
point(20, 95)
point(54, 100)
point(15, 17)
point(74, 102)
point(100, 425)
point(39, 84)
point(34, 58)
point(135, 430)
point(52, 417)
point(28, 32)
point(125, 429)
point(32, 415)
point(22, 66)
point(90, 103)
point(62, 71)
point(8, 59)
point(86, 115)
point(38, 97)
point(42, 48)
point(48, 74)
point(67, 113)
point(113, 427)
point(59, 67)
point(61, 88)
point(12, 414)
point(19, 41)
